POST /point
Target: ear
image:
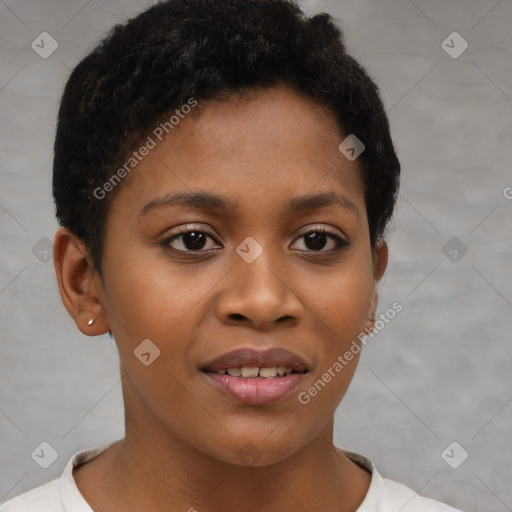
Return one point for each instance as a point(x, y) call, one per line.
point(380, 255)
point(79, 283)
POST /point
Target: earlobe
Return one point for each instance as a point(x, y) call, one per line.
point(76, 278)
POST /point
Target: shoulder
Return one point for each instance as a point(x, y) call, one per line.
point(59, 495)
point(385, 495)
point(45, 498)
point(396, 494)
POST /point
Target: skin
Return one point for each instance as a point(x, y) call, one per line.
point(183, 436)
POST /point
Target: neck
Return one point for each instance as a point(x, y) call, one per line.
point(153, 469)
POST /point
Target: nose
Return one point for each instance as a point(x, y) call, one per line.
point(259, 295)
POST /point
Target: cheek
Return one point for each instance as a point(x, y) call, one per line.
point(152, 298)
point(342, 300)
point(340, 310)
point(154, 301)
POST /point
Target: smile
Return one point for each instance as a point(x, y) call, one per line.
point(256, 377)
point(251, 372)
point(256, 390)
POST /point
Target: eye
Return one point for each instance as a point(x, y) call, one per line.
point(190, 239)
point(318, 238)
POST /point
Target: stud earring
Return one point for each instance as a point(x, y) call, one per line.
point(90, 322)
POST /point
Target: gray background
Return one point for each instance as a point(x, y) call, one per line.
point(438, 373)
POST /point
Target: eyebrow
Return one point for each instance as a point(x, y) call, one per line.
point(203, 200)
point(208, 201)
point(322, 200)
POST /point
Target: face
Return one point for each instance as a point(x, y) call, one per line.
point(254, 262)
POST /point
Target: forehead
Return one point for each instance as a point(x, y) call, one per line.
point(259, 147)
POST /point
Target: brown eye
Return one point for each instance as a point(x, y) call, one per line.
point(190, 240)
point(315, 241)
point(321, 240)
point(194, 241)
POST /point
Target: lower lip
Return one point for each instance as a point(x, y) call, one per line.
point(257, 390)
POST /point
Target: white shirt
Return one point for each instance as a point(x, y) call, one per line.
point(62, 494)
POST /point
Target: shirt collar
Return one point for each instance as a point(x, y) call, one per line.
point(71, 498)
point(73, 501)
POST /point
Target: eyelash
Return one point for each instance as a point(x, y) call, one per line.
point(341, 243)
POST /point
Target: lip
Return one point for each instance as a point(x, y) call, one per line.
point(260, 358)
point(256, 390)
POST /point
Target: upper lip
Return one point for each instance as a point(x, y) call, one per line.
point(256, 358)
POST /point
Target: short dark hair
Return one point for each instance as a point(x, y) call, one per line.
point(179, 49)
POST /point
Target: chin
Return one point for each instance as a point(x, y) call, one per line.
point(257, 451)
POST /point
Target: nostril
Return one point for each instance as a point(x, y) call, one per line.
point(237, 316)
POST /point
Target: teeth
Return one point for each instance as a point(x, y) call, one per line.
point(281, 370)
point(253, 371)
point(268, 372)
point(248, 371)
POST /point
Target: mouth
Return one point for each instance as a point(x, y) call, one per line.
point(256, 377)
point(253, 372)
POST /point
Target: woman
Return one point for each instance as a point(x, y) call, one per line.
point(224, 175)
